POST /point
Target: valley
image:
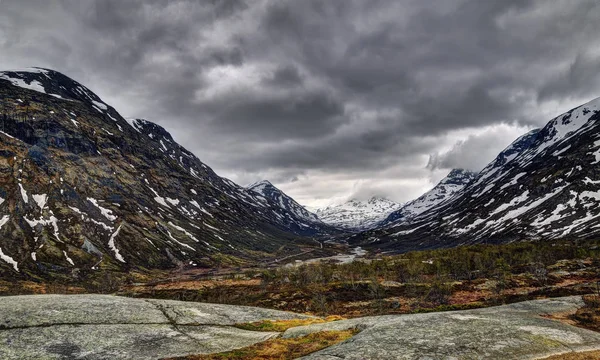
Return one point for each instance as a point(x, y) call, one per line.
point(93, 203)
point(438, 280)
point(365, 302)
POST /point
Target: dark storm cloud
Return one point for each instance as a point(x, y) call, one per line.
point(581, 78)
point(285, 77)
point(306, 116)
point(304, 91)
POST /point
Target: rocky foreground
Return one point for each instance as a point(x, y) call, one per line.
point(102, 327)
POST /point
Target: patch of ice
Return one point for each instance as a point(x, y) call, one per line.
point(99, 106)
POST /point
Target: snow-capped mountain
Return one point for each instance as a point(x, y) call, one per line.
point(294, 213)
point(546, 185)
point(356, 215)
point(81, 187)
point(444, 190)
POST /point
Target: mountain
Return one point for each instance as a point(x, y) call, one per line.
point(81, 188)
point(357, 215)
point(294, 215)
point(444, 190)
point(546, 185)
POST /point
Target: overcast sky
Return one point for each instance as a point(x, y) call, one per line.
point(328, 99)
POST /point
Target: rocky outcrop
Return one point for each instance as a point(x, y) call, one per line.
point(516, 331)
point(109, 327)
point(102, 327)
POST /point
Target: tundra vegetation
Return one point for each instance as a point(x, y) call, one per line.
point(432, 280)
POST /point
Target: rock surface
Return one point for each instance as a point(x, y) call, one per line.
point(516, 331)
point(109, 327)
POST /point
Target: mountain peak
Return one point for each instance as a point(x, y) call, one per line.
point(458, 177)
point(53, 83)
point(356, 214)
point(152, 130)
point(260, 184)
point(268, 191)
point(443, 191)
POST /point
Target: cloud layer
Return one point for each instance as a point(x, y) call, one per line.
point(327, 99)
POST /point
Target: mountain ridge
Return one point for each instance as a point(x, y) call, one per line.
point(356, 215)
point(441, 192)
point(266, 190)
point(542, 186)
point(81, 188)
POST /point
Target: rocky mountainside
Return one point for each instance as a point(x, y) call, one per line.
point(82, 188)
point(443, 191)
point(356, 215)
point(546, 185)
point(294, 215)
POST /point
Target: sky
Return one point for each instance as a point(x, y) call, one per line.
point(330, 99)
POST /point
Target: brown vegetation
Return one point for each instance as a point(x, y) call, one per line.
point(434, 280)
point(281, 349)
point(589, 315)
point(446, 279)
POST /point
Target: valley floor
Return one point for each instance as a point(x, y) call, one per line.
point(448, 279)
point(397, 290)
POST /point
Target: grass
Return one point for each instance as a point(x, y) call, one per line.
point(280, 349)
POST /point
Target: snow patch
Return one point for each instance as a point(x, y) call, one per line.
point(111, 244)
point(107, 213)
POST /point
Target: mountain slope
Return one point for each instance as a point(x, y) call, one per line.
point(545, 185)
point(294, 215)
point(357, 215)
point(82, 188)
point(442, 192)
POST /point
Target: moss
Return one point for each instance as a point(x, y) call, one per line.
point(544, 341)
point(281, 348)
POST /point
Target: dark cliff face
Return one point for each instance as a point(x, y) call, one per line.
point(81, 187)
point(546, 185)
